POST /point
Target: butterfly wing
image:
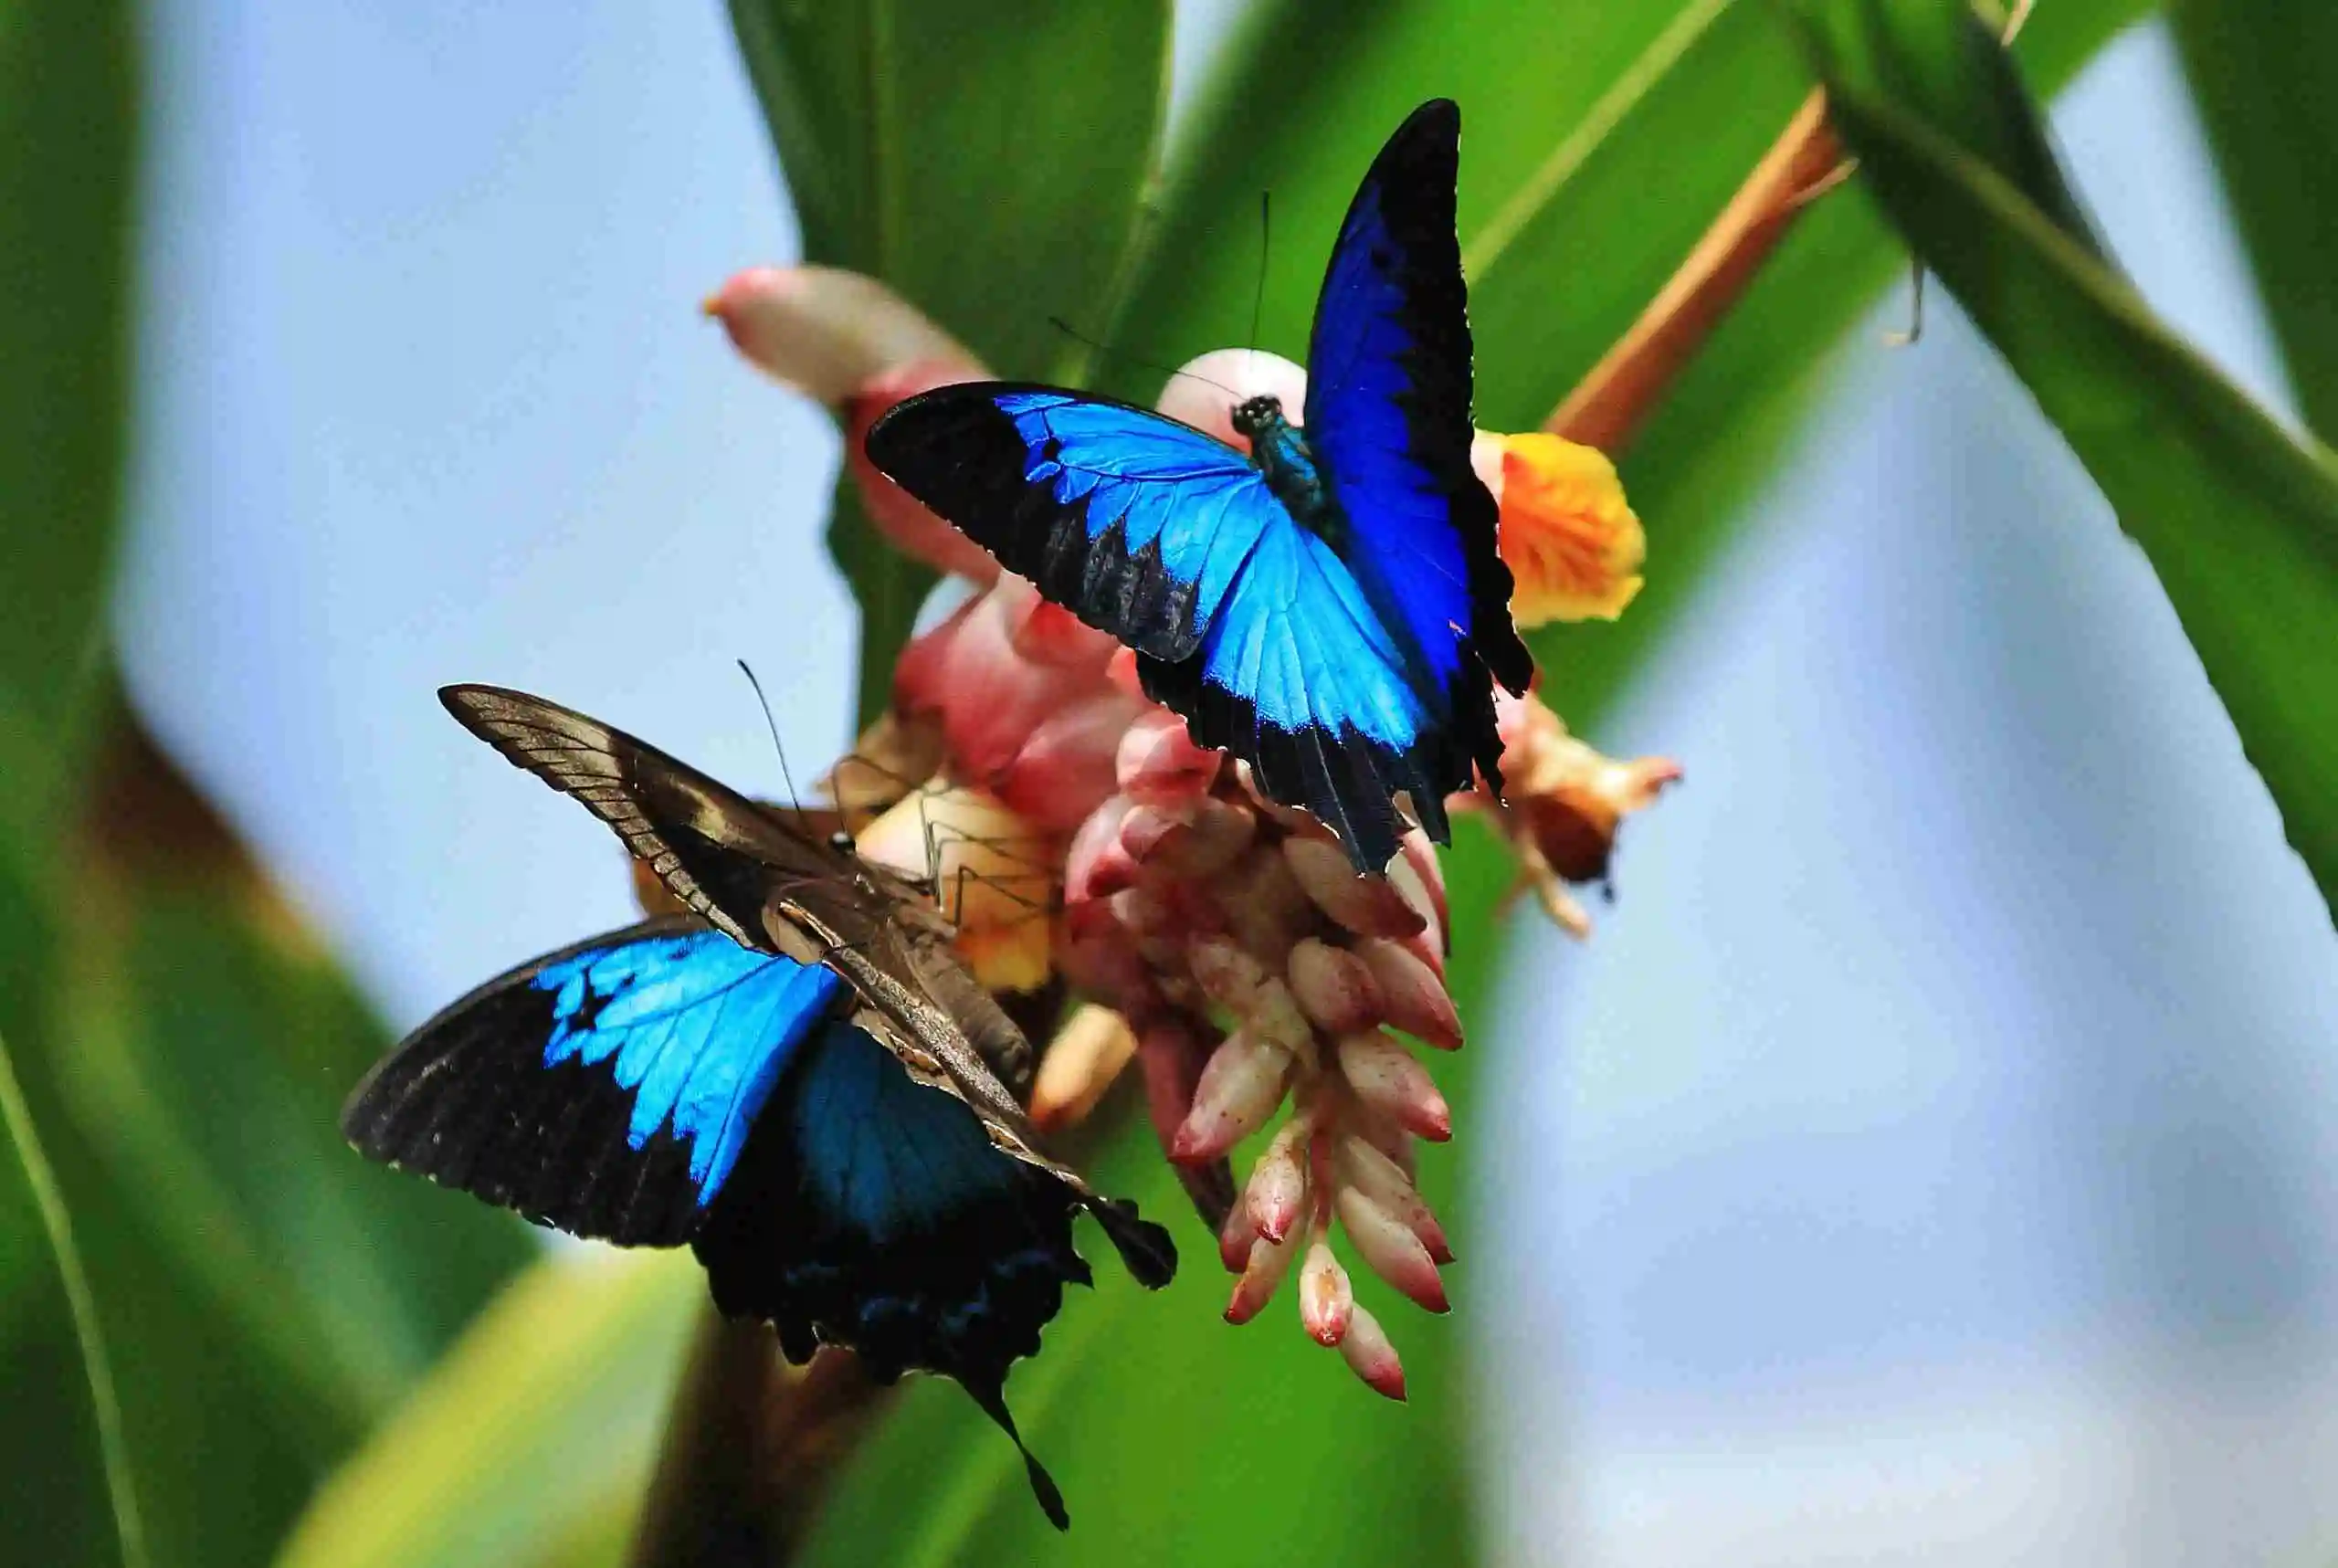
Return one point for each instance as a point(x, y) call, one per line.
point(872, 1210)
point(663, 1084)
point(607, 1089)
point(758, 878)
point(1247, 624)
point(760, 881)
point(1388, 421)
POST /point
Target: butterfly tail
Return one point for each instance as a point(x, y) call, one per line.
point(992, 1400)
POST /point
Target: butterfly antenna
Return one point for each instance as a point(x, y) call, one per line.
point(772, 725)
point(1108, 351)
point(1258, 291)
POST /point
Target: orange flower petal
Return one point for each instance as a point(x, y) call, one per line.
point(1568, 535)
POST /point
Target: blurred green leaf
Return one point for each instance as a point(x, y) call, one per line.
point(2260, 70)
point(1599, 141)
point(32, 1183)
point(987, 162)
point(184, 1049)
point(537, 1424)
point(888, 587)
point(2238, 518)
point(69, 134)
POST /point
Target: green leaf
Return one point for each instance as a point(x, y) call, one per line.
point(987, 162)
point(2238, 516)
point(182, 1051)
point(538, 1424)
point(69, 127)
point(1176, 1438)
point(37, 1189)
point(888, 585)
point(2261, 72)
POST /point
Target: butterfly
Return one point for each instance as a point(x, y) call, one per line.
point(1330, 606)
point(796, 1078)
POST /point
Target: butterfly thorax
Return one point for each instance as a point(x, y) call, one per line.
point(1280, 449)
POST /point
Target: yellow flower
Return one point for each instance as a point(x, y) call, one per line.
point(1568, 535)
point(991, 872)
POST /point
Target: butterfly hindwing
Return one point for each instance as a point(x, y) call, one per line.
point(607, 1089)
point(663, 1085)
point(872, 1210)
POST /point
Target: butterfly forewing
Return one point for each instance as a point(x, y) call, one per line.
point(1332, 608)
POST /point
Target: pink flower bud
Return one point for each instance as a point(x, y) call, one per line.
point(1390, 1248)
point(1239, 1088)
point(1097, 866)
point(1412, 997)
point(1156, 759)
point(1326, 1302)
point(1202, 393)
point(1064, 769)
point(1369, 906)
point(1278, 1185)
point(1265, 906)
point(1385, 1077)
point(1227, 975)
point(1216, 834)
point(1149, 828)
point(1235, 1237)
point(1335, 988)
point(1370, 1357)
point(1263, 1270)
point(1387, 1185)
point(830, 333)
point(1420, 878)
point(1095, 958)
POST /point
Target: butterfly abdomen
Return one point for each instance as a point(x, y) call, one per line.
point(1280, 451)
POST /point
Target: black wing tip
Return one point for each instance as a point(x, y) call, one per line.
point(1145, 1247)
point(1435, 113)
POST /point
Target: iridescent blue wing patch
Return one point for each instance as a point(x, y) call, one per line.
point(872, 1210)
point(1335, 609)
point(1388, 420)
point(607, 1089)
point(797, 1080)
point(1247, 623)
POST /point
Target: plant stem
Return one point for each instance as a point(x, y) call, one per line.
point(749, 1447)
point(1608, 407)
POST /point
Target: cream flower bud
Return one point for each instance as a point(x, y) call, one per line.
point(1390, 1250)
point(1370, 1357)
point(1326, 1300)
point(1386, 1077)
point(1239, 1088)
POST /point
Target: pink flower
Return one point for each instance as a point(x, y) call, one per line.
point(1237, 959)
point(859, 347)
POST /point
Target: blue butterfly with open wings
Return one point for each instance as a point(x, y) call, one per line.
point(1330, 606)
point(797, 1079)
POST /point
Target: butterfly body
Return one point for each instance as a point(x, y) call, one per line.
point(1279, 451)
point(793, 1079)
point(1328, 605)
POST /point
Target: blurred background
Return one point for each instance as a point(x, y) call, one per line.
point(1928, 1160)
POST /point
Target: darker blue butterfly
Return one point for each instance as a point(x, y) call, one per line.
point(796, 1080)
point(1331, 608)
